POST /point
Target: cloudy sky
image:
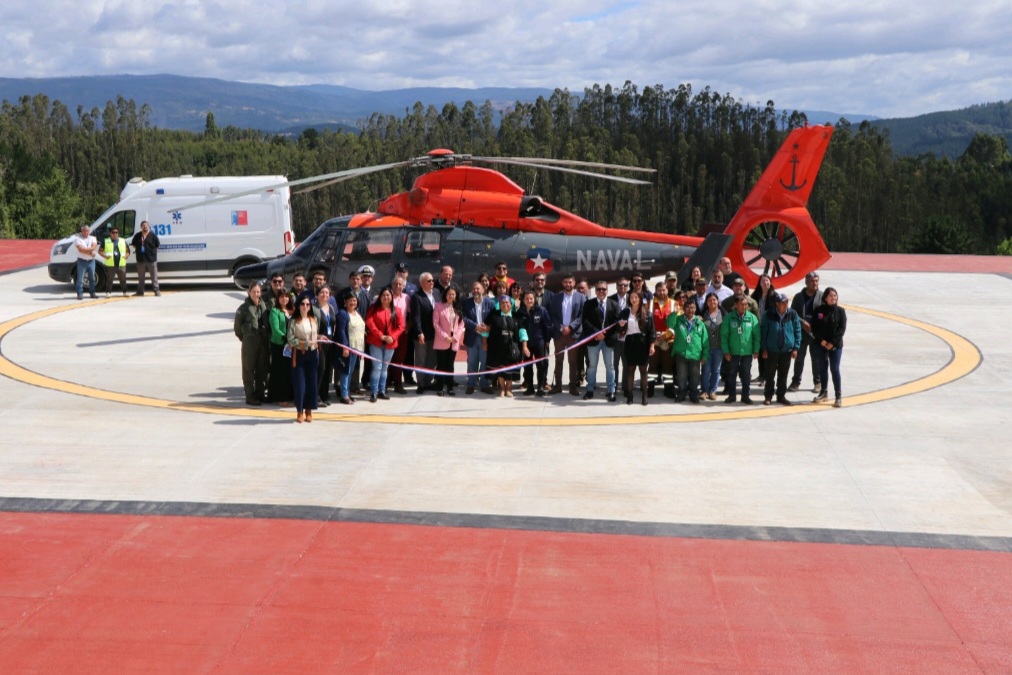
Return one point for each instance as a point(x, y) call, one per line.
point(890, 59)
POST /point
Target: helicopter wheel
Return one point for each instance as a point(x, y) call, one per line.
point(773, 248)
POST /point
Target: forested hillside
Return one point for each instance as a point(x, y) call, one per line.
point(59, 167)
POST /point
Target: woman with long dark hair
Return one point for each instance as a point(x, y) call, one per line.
point(279, 385)
point(302, 335)
point(448, 321)
point(829, 323)
point(384, 327)
point(639, 343)
point(536, 329)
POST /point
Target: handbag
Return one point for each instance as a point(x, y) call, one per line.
point(514, 347)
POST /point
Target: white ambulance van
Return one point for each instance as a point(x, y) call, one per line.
point(204, 241)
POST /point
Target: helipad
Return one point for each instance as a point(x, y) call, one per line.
point(150, 522)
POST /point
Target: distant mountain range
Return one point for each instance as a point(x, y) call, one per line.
point(179, 102)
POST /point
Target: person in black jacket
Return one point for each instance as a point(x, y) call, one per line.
point(503, 345)
point(639, 343)
point(829, 323)
point(537, 324)
point(598, 314)
point(145, 243)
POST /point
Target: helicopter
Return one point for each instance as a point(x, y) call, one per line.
point(470, 217)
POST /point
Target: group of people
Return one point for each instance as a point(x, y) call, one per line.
point(114, 253)
point(300, 342)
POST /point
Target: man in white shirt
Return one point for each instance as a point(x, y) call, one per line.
point(718, 288)
point(85, 246)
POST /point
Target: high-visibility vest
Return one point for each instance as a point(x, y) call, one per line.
point(110, 261)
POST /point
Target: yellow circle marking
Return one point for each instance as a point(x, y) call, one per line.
point(965, 357)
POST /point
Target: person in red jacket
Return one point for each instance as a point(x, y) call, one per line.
point(383, 329)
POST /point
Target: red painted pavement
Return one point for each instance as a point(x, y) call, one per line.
point(22, 253)
point(897, 262)
point(83, 594)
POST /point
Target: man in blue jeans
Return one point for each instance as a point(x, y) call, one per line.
point(600, 313)
point(85, 246)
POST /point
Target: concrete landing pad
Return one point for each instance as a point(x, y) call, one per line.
point(151, 522)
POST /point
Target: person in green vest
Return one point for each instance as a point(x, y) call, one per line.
point(691, 342)
point(739, 340)
point(114, 252)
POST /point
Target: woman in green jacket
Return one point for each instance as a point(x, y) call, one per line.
point(279, 383)
point(690, 345)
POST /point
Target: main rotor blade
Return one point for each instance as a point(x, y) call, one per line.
point(620, 179)
point(341, 175)
point(570, 162)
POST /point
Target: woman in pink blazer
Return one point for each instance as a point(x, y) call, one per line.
point(449, 324)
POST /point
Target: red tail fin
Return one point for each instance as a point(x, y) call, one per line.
point(773, 231)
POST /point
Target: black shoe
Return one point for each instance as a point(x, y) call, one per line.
point(694, 400)
point(529, 391)
point(746, 401)
point(643, 398)
point(557, 389)
point(488, 390)
point(575, 391)
point(450, 392)
point(782, 400)
point(253, 401)
point(589, 395)
point(158, 293)
point(420, 390)
point(730, 399)
point(540, 393)
point(438, 393)
point(399, 389)
point(409, 380)
point(93, 296)
point(372, 398)
point(139, 294)
point(324, 404)
point(346, 400)
point(383, 396)
point(611, 397)
point(469, 391)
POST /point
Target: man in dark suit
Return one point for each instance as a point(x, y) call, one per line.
point(476, 309)
point(598, 314)
point(355, 288)
point(542, 295)
point(566, 311)
point(422, 304)
point(621, 299)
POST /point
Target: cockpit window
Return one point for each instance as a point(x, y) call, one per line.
point(535, 208)
point(306, 248)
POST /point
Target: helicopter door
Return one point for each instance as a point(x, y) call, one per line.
point(368, 246)
point(325, 257)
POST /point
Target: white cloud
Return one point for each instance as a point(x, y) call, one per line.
point(886, 58)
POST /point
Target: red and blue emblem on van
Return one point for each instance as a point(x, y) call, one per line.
point(239, 218)
point(539, 260)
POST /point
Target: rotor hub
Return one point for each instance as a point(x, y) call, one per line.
point(771, 249)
